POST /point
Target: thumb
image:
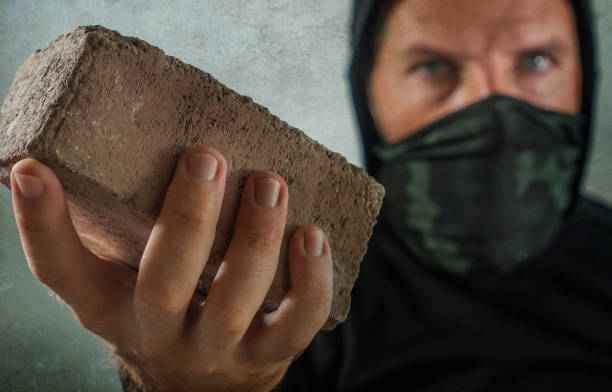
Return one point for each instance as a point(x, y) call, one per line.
point(51, 245)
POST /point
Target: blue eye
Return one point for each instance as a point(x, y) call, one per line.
point(432, 68)
point(537, 61)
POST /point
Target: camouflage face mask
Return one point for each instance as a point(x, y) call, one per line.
point(485, 188)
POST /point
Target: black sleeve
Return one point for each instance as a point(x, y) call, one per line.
point(318, 368)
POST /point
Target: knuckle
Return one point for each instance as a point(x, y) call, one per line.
point(321, 304)
point(321, 295)
point(318, 286)
point(30, 225)
point(317, 292)
point(160, 307)
point(159, 302)
point(232, 320)
point(189, 220)
point(259, 239)
point(50, 276)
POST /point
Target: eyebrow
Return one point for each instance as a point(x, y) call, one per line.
point(420, 50)
point(553, 45)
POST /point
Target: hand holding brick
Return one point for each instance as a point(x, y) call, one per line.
point(111, 115)
point(164, 337)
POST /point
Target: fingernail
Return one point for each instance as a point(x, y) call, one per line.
point(313, 243)
point(202, 166)
point(267, 191)
point(30, 187)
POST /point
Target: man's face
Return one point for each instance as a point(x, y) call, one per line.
point(437, 56)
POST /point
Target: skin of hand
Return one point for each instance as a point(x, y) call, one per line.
point(167, 336)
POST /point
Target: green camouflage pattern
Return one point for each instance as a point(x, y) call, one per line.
point(485, 188)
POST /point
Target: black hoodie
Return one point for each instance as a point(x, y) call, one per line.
point(546, 325)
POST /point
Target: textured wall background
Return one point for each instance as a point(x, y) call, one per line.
point(289, 55)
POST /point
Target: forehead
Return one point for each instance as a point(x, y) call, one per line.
point(479, 23)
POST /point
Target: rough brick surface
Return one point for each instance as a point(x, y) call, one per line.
point(110, 115)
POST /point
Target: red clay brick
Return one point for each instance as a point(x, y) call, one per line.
point(110, 115)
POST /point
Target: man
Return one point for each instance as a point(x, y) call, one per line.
point(487, 270)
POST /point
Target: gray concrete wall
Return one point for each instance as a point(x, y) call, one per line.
point(289, 55)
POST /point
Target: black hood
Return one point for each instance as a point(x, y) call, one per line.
point(363, 30)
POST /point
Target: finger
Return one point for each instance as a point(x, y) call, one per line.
point(55, 254)
point(180, 242)
point(304, 310)
point(250, 262)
